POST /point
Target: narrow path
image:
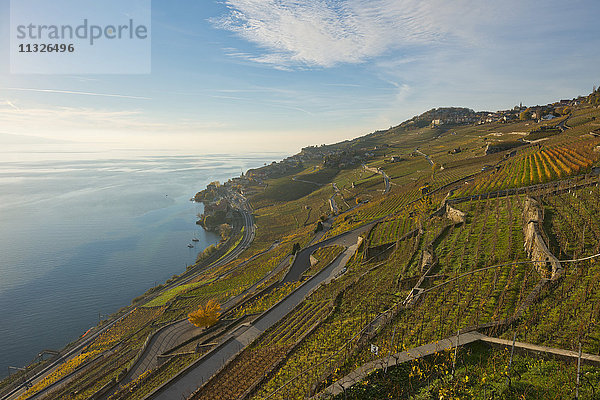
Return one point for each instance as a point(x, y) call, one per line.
point(425, 155)
point(334, 208)
point(295, 179)
point(418, 352)
point(179, 331)
point(201, 371)
point(451, 342)
point(386, 178)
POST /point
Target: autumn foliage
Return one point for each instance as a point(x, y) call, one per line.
point(206, 315)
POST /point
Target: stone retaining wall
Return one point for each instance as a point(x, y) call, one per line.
point(547, 265)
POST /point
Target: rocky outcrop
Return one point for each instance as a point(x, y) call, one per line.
point(455, 215)
point(547, 265)
point(427, 259)
point(313, 260)
point(447, 211)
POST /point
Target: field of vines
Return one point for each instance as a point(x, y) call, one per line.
point(265, 301)
point(364, 291)
point(570, 311)
point(480, 374)
point(390, 231)
point(147, 382)
point(94, 377)
point(262, 356)
point(129, 332)
point(380, 207)
point(228, 287)
point(324, 256)
point(124, 328)
point(536, 165)
point(65, 369)
point(493, 234)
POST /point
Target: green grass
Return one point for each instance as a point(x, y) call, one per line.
point(167, 296)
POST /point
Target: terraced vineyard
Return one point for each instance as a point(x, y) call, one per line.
point(394, 202)
point(147, 382)
point(390, 231)
point(266, 301)
point(263, 356)
point(324, 256)
point(536, 165)
point(480, 374)
point(569, 314)
point(223, 289)
point(362, 292)
point(124, 328)
point(493, 234)
point(450, 274)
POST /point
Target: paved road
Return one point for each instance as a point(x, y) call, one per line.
point(66, 355)
point(424, 155)
point(334, 208)
point(239, 339)
point(183, 330)
point(179, 331)
point(302, 260)
point(386, 178)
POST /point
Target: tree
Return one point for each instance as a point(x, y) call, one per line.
point(525, 115)
point(206, 315)
point(319, 227)
point(296, 248)
point(565, 110)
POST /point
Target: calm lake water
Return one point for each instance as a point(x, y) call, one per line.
point(84, 232)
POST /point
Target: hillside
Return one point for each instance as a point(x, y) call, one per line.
point(453, 223)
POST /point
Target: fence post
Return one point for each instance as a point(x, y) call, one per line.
point(512, 352)
point(455, 352)
point(578, 372)
point(391, 351)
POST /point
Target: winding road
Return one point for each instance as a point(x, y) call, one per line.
point(386, 178)
point(200, 372)
point(424, 155)
point(179, 331)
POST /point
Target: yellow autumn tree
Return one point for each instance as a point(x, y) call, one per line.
point(206, 315)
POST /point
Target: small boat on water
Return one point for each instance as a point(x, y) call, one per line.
point(195, 240)
point(191, 246)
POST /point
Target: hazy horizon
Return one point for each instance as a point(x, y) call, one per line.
point(243, 75)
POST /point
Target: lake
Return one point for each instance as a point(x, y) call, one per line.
point(83, 232)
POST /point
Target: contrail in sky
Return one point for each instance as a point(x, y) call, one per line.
point(121, 96)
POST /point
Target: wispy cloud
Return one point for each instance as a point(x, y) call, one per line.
point(67, 121)
point(328, 32)
point(9, 104)
point(121, 96)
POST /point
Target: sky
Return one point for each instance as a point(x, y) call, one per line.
point(278, 75)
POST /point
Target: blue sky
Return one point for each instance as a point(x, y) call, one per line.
point(282, 74)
